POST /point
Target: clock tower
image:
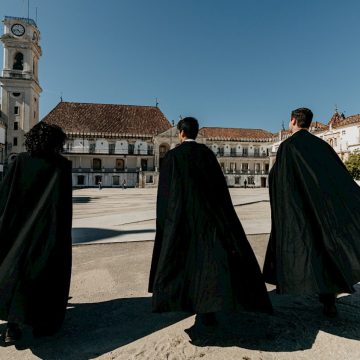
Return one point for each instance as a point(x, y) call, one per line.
point(20, 89)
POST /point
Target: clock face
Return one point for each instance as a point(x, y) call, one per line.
point(18, 29)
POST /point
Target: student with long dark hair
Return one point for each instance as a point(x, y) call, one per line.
point(35, 235)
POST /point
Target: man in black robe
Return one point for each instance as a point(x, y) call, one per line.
point(314, 246)
point(202, 262)
point(35, 235)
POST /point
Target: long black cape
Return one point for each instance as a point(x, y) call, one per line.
point(314, 245)
point(35, 241)
point(202, 261)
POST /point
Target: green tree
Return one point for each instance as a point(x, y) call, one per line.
point(353, 165)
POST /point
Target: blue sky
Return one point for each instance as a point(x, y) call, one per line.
point(230, 63)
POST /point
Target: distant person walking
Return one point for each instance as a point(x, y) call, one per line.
point(35, 235)
point(100, 185)
point(202, 262)
point(314, 245)
point(245, 183)
point(124, 184)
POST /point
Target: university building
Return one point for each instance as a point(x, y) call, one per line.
point(112, 143)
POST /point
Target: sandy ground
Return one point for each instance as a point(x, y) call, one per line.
point(109, 314)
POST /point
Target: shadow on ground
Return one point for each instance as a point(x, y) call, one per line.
point(82, 235)
point(91, 330)
point(82, 199)
point(293, 327)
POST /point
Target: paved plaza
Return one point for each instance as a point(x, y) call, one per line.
point(118, 215)
point(109, 314)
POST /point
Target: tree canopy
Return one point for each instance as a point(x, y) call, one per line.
point(353, 165)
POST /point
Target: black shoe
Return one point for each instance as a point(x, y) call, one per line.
point(12, 333)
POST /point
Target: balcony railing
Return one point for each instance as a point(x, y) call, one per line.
point(108, 152)
point(245, 172)
point(234, 154)
point(82, 170)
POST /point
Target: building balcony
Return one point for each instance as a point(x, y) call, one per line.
point(241, 155)
point(81, 170)
point(245, 172)
point(87, 151)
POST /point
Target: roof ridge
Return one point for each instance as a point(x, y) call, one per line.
point(105, 104)
point(232, 128)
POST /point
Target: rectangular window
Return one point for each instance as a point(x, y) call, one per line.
point(116, 180)
point(256, 151)
point(81, 180)
point(245, 151)
point(131, 149)
point(244, 166)
point(92, 148)
point(149, 179)
point(16, 110)
point(16, 125)
point(111, 148)
point(15, 142)
point(144, 164)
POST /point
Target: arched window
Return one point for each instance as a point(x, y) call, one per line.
point(120, 164)
point(19, 61)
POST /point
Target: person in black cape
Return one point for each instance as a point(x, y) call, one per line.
point(35, 235)
point(314, 245)
point(202, 262)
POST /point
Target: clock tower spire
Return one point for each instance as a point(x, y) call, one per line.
point(20, 89)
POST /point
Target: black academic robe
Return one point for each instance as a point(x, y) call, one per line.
point(314, 245)
point(35, 241)
point(202, 261)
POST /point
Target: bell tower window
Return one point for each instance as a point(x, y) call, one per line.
point(19, 61)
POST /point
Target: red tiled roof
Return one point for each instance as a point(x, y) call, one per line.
point(353, 119)
point(107, 118)
point(217, 133)
point(317, 125)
